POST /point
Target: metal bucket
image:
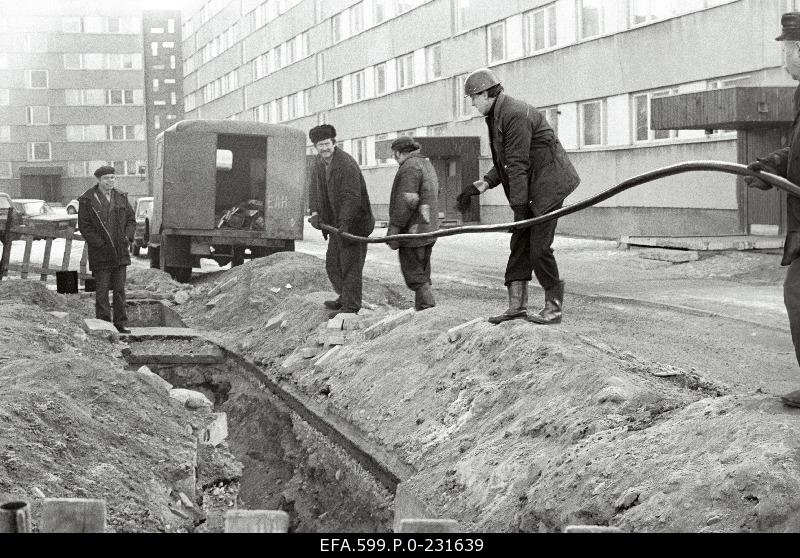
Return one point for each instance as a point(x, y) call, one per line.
point(67, 282)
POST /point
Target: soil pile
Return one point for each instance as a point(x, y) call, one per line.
point(74, 424)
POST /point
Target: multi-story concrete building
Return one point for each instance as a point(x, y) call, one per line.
point(71, 97)
point(379, 68)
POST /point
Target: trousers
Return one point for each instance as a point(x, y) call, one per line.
point(532, 253)
point(791, 298)
point(344, 264)
point(114, 280)
point(415, 264)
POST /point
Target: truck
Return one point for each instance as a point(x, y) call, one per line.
point(225, 189)
point(141, 235)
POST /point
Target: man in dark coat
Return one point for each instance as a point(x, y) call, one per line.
point(413, 209)
point(107, 223)
point(537, 176)
point(338, 197)
point(786, 162)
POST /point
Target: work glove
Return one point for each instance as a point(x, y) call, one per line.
point(463, 199)
point(754, 182)
point(393, 230)
point(314, 221)
point(521, 213)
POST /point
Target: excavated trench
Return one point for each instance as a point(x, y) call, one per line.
point(293, 458)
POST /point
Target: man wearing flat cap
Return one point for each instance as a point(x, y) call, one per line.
point(786, 163)
point(107, 223)
point(412, 210)
point(338, 197)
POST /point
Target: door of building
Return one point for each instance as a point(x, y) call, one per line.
point(764, 211)
point(449, 176)
point(41, 187)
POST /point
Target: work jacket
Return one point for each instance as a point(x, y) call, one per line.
point(107, 227)
point(415, 185)
point(785, 162)
point(342, 199)
point(529, 161)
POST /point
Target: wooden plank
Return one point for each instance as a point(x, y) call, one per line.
point(73, 515)
point(48, 245)
point(67, 254)
point(35, 269)
point(26, 258)
point(4, 259)
point(84, 260)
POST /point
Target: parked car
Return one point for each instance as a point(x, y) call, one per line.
point(31, 211)
point(144, 210)
point(72, 207)
point(5, 200)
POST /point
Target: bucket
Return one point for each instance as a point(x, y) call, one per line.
point(89, 285)
point(67, 282)
point(15, 517)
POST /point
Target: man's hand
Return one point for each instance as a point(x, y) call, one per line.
point(391, 231)
point(754, 182)
point(463, 200)
point(325, 235)
point(521, 213)
point(314, 221)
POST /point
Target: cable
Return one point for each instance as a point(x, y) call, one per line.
point(680, 168)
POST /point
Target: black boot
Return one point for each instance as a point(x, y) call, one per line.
point(333, 304)
point(423, 298)
point(517, 303)
point(553, 307)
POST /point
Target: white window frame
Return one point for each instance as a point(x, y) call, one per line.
point(359, 151)
point(549, 15)
point(80, 61)
point(582, 123)
point(338, 92)
point(29, 113)
point(386, 7)
point(32, 150)
point(4, 97)
point(357, 9)
point(5, 134)
point(489, 52)
point(405, 71)
point(652, 135)
point(67, 20)
point(336, 25)
point(463, 106)
point(460, 7)
point(29, 79)
point(600, 23)
point(551, 115)
point(358, 86)
point(430, 62)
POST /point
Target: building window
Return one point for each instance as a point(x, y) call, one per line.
point(539, 29)
point(36, 43)
point(461, 7)
point(3, 60)
point(357, 86)
point(38, 115)
point(36, 79)
point(291, 107)
point(94, 97)
point(360, 151)
point(380, 79)
point(338, 92)
point(39, 151)
point(591, 125)
point(71, 25)
point(172, 61)
point(591, 18)
point(123, 132)
point(551, 115)
point(93, 60)
point(3, 97)
point(5, 170)
point(437, 130)
point(381, 12)
point(357, 19)
point(5, 133)
point(93, 24)
point(336, 28)
point(170, 25)
point(173, 98)
point(405, 71)
point(463, 103)
point(157, 122)
point(496, 42)
point(155, 85)
point(433, 61)
point(73, 61)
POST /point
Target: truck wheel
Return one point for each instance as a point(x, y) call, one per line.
point(180, 274)
point(155, 256)
point(238, 256)
point(136, 249)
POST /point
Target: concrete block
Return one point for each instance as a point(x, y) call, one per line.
point(335, 338)
point(206, 355)
point(150, 377)
point(256, 521)
point(428, 526)
point(454, 334)
point(59, 315)
point(309, 352)
point(292, 359)
point(100, 328)
point(216, 432)
point(327, 357)
point(189, 398)
point(389, 323)
point(216, 300)
point(73, 515)
point(337, 322)
point(673, 256)
point(351, 322)
point(276, 321)
point(591, 529)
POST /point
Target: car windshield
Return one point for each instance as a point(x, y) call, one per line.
point(4, 204)
point(36, 207)
point(144, 209)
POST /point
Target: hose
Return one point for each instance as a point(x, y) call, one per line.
point(680, 168)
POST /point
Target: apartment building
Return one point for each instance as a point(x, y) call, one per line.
point(379, 68)
point(71, 97)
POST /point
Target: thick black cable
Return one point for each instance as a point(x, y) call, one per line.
point(680, 168)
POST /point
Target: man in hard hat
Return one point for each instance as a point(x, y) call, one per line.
point(339, 198)
point(413, 210)
point(786, 162)
point(537, 176)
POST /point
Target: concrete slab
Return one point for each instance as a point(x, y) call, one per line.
point(276, 321)
point(161, 332)
point(706, 243)
point(100, 328)
point(388, 324)
point(668, 255)
point(190, 398)
point(407, 506)
point(328, 356)
point(454, 334)
point(156, 381)
point(210, 354)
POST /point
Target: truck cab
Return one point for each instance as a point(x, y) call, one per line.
point(225, 190)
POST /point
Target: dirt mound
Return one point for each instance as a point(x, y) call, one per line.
point(148, 279)
point(36, 293)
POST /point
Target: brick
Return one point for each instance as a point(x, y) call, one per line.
point(388, 324)
point(454, 334)
point(673, 256)
point(216, 300)
point(428, 526)
point(216, 432)
point(591, 529)
point(275, 321)
point(328, 356)
point(100, 328)
point(256, 521)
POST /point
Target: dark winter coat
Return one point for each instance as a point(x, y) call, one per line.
point(342, 201)
point(107, 238)
point(415, 185)
point(785, 162)
point(529, 161)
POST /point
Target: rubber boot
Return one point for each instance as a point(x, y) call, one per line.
point(517, 303)
point(423, 298)
point(792, 399)
point(553, 307)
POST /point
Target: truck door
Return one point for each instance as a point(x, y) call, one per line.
point(189, 190)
